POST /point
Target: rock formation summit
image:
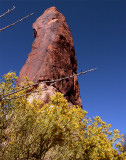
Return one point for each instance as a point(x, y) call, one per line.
point(53, 56)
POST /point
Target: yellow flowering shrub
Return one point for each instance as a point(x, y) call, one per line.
point(53, 131)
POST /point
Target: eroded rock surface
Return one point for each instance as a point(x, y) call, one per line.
point(53, 55)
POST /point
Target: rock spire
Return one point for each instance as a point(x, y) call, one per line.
point(53, 56)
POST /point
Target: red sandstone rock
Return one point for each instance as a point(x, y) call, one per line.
point(53, 55)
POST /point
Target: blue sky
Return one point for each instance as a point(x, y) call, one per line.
point(98, 28)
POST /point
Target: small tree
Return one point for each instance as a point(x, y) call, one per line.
point(53, 131)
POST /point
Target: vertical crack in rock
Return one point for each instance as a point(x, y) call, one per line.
point(53, 56)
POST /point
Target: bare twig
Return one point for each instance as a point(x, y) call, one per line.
point(1, 77)
point(16, 22)
point(52, 81)
point(43, 89)
point(7, 12)
point(25, 94)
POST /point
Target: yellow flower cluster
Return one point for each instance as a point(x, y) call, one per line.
point(54, 131)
